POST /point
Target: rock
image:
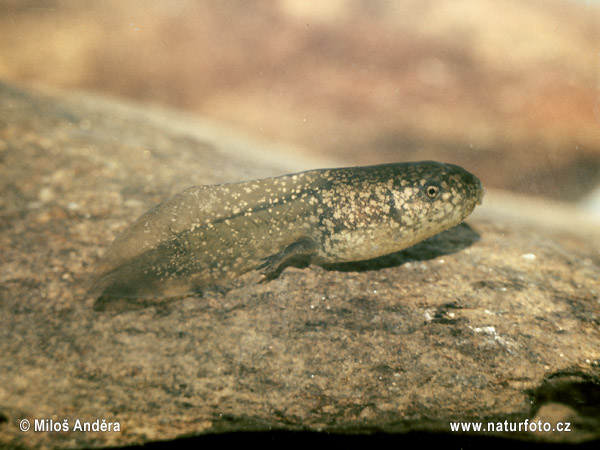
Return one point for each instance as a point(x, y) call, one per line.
point(495, 320)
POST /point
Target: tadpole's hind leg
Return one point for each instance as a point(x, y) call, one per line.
point(298, 253)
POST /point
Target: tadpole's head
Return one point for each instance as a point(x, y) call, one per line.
point(430, 197)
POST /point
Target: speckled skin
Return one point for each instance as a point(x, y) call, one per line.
point(210, 234)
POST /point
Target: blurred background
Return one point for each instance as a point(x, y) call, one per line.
point(509, 89)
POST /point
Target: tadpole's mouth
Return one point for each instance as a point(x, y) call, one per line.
point(481, 194)
point(474, 188)
point(478, 189)
point(476, 193)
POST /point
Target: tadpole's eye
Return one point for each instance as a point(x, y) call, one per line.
point(431, 191)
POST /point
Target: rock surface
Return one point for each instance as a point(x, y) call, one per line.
point(495, 320)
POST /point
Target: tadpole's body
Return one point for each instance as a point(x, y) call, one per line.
point(210, 234)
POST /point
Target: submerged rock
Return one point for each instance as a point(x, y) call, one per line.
point(494, 320)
